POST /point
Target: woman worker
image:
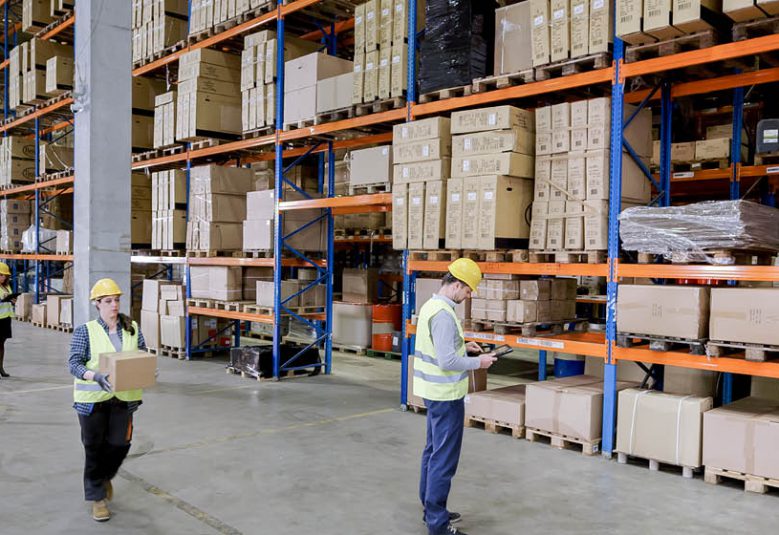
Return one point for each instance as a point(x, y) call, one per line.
point(106, 417)
point(6, 312)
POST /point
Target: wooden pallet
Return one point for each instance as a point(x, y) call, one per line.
point(568, 257)
point(192, 253)
point(662, 343)
point(304, 123)
point(60, 328)
point(654, 466)
point(369, 189)
point(718, 257)
point(172, 352)
point(752, 352)
point(257, 253)
point(567, 67)
point(698, 165)
point(757, 484)
point(15, 184)
point(669, 47)
point(268, 311)
point(440, 255)
point(258, 132)
point(356, 350)
point(172, 252)
point(561, 442)
point(494, 426)
point(529, 330)
point(216, 304)
point(146, 155)
point(501, 81)
point(755, 28)
point(334, 115)
point(387, 355)
point(416, 408)
point(45, 177)
point(378, 106)
point(443, 94)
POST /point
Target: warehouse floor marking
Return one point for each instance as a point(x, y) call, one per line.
point(239, 436)
point(35, 390)
point(188, 508)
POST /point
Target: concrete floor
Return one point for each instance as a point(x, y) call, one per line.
point(215, 453)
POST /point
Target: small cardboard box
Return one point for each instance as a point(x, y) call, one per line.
point(494, 118)
point(742, 10)
point(506, 163)
point(691, 16)
point(668, 311)
point(712, 149)
point(657, 20)
point(745, 315)
point(560, 32)
point(539, 31)
point(419, 151)
point(422, 171)
point(399, 216)
point(416, 215)
point(522, 311)
point(580, 28)
point(454, 213)
point(432, 128)
point(399, 70)
point(129, 370)
point(504, 405)
point(535, 290)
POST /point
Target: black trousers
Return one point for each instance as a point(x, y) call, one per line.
point(106, 435)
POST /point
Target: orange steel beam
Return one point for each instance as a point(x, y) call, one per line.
point(70, 21)
point(685, 271)
point(38, 185)
point(361, 209)
point(519, 268)
point(41, 257)
point(341, 26)
point(228, 34)
point(54, 128)
point(739, 49)
point(362, 201)
point(343, 144)
point(250, 262)
point(720, 83)
point(685, 360)
point(243, 316)
point(37, 113)
point(599, 76)
point(344, 124)
point(759, 170)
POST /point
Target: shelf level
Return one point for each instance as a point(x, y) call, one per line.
point(39, 257)
point(222, 261)
point(691, 271)
point(519, 268)
point(29, 188)
point(363, 202)
point(37, 113)
point(240, 316)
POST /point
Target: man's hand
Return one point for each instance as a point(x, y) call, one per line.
point(472, 348)
point(102, 380)
point(486, 360)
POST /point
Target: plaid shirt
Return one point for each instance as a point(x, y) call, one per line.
point(80, 354)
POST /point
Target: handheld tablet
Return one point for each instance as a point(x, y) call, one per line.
point(503, 350)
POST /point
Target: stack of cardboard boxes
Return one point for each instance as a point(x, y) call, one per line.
point(37, 14)
point(14, 220)
point(59, 75)
point(370, 168)
point(207, 13)
point(141, 215)
point(156, 25)
point(258, 225)
point(504, 298)
point(304, 78)
point(560, 29)
point(422, 157)
point(648, 21)
point(570, 207)
point(492, 172)
point(715, 146)
point(35, 54)
point(217, 207)
point(55, 157)
point(502, 405)
point(168, 210)
point(163, 314)
point(64, 242)
point(208, 103)
point(23, 306)
point(144, 126)
point(17, 160)
point(165, 120)
point(381, 49)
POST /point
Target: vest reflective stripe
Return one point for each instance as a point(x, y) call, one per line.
point(430, 381)
point(7, 308)
point(99, 343)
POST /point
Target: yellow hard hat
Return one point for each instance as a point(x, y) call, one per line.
point(4, 269)
point(467, 271)
point(104, 287)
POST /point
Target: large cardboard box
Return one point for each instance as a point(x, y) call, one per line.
point(435, 214)
point(299, 104)
point(53, 308)
point(506, 163)
point(211, 236)
point(503, 203)
point(560, 31)
point(690, 15)
point(370, 166)
point(258, 234)
point(432, 128)
point(667, 311)
point(249, 280)
point(454, 213)
point(150, 327)
point(400, 216)
point(265, 293)
point(629, 15)
point(493, 118)
point(712, 149)
point(352, 324)
point(745, 315)
point(360, 285)
point(471, 212)
point(661, 427)
point(504, 405)
point(422, 171)
point(416, 215)
point(742, 437)
point(307, 70)
point(539, 31)
point(218, 207)
point(66, 311)
point(580, 28)
point(522, 311)
point(173, 331)
point(518, 140)
point(38, 313)
point(513, 39)
point(129, 370)
point(334, 93)
point(418, 151)
point(535, 290)
point(742, 10)
point(23, 307)
point(260, 205)
point(657, 19)
point(215, 282)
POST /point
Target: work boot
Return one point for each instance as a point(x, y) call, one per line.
point(109, 490)
point(100, 511)
point(451, 530)
point(3, 373)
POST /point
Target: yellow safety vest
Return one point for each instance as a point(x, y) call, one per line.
point(6, 308)
point(430, 381)
point(99, 343)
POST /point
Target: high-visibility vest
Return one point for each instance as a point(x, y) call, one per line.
point(430, 381)
point(99, 343)
point(6, 308)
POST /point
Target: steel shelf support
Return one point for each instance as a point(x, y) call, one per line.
point(409, 299)
point(666, 118)
point(330, 258)
point(37, 213)
point(542, 355)
point(278, 246)
point(735, 143)
point(187, 317)
point(411, 91)
point(615, 196)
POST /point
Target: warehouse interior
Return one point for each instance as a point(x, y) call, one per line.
point(262, 203)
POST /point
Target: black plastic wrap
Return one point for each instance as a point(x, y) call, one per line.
point(457, 46)
point(693, 231)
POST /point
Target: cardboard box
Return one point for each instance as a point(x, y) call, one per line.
point(741, 437)
point(371, 79)
point(513, 39)
point(307, 70)
point(432, 128)
point(399, 70)
point(66, 311)
point(173, 331)
point(400, 20)
point(580, 28)
point(662, 427)
point(219, 207)
point(538, 234)
point(560, 32)
point(334, 93)
point(215, 282)
point(352, 324)
point(129, 370)
point(629, 15)
point(667, 311)
point(422, 171)
point(435, 214)
point(385, 58)
point(151, 294)
point(260, 205)
point(360, 285)
point(563, 289)
point(416, 213)
point(493, 118)
point(38, 313)
point(64, 242)
point(522, 311)
point(742, 10)
point(23, 307)
point(471, 213)
point(358, 80)
point(400, 216)
point(516, 140)
point(418, 151)
point(555, 233)
point(53, 309)
point(372, 24)
point(502, 206)
point(635, 186)
point(265, 291)
point(657, 20)
point(712, 149)
point(249, 280)
point(689, 381)
point(454, 213)
point(150, 327)
point(745, 315)
point(504, 405)
point(498, 289)
point(208, 236)
point(370, 166)
point(489, 310)
point(258, 235)
point(539, 31)
point(506, 163)
point(299, 105)
point(359, 27)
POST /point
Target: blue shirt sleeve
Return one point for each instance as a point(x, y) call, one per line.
point(446, 339)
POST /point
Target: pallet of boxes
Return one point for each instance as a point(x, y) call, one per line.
point(163, 321)
point(23, 307)
point(168, 211)
point(15, 218)
point(17, 161)
point(353, 314)
point(27, 72)
point(570, 215)
point(208, 17)
point(145, 92)
point(380, 76)
point(158, 27)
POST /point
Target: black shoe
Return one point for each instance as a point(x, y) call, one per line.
point(453, 517)
point(4, 374)
point(451, 530)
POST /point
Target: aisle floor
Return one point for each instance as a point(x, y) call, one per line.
point(216, 453)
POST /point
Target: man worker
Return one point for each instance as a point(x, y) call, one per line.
point(441, 368)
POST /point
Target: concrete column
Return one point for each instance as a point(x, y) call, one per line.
point(101, 206)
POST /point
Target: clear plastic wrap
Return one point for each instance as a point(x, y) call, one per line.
point(694, 231)
point(48, 240)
